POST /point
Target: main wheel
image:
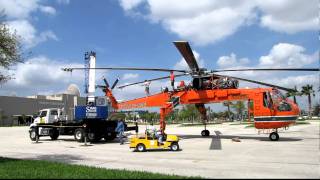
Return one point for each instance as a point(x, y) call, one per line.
point(141, 147)
point(79, 135)
point(205, 133)
point(110, 136)
point(274, 136)
point(55, 134)
point(91, 137)
point(33, 135)
point(174, 146)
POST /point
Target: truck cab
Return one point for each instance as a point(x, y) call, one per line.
point(48, 116)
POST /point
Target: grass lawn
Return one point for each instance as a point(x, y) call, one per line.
point(34, 169)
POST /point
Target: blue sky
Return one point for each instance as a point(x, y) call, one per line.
point(139, 33)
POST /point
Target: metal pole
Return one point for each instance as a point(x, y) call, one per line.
point(37, 134)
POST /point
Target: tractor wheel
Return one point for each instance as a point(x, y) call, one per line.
point(174, 146)
point(141, 148)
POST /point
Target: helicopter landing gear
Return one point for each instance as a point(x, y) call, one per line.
point(205, 133)
point(274, 136)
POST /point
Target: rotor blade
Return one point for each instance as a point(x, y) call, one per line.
point(155, 79)
point(127, 68)
point(106, 82)
point(187, 54)
point(258, 82)
point(115, 83)
point(268, 69)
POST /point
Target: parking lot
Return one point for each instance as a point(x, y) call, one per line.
point(295, 155)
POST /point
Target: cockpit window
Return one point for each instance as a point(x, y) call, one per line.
point(277, 96)
point(267, 101)
point(284, 106)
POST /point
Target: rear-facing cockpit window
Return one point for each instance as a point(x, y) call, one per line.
point(284, 106)
point(267, 101)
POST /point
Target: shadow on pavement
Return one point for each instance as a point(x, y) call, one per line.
point(65, 158)
point(265, 138)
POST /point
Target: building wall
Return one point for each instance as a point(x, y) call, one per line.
point(10, 106)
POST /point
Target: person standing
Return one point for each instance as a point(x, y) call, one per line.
point(147, 87)
point(172, 79)
point(120, 130)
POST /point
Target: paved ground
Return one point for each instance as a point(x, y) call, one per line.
point(296, 155)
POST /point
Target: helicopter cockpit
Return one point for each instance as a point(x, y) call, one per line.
point(280, 102)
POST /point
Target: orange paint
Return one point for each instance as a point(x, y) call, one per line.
point(267, 104)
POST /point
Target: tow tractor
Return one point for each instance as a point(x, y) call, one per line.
point(148, 141)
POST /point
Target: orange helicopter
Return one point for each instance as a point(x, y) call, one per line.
point(270, 109)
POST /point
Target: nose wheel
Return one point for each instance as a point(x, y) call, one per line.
point(205, 133)
point(274, 136)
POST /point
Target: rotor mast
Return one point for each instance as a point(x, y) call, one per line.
point(91, 76)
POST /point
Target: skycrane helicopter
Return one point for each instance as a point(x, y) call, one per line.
point(270, 108)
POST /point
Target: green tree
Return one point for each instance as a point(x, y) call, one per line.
point(174, 116)
point(307, 90)
point(239, 107)
point(228, 103)
point(189, 112)
point(150, 117)
point(117, 116)
point(10, 50)
point(316, 110)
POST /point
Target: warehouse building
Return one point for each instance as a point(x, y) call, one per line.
point(22, 110)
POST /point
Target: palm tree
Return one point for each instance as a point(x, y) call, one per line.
point(239, 107)
point(228, 103)
point(294, 94)
point(307, 90)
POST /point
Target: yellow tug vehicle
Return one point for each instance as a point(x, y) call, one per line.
point(145, 142)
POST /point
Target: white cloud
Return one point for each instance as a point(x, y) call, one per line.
point(208, 21)
point(289, 16)
point(202, 22)
point(28, 34)
point(130, 4)
point(18, 14)
point(48, 9)
point(21, 9)
point(287, 55)
point(63, 2)
point(231, 61)
point(282, 55)
point(18, 8)
point(129, 76)
point(41, 74)
point(182, 64)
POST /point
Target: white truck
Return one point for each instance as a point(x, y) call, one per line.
point(53, 122)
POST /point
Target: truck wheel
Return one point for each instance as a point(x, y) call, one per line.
point(110, 136)
point(33, 135)
point(79, 135)
point(94, 137)
point(55, 134)
point(174, 146)
point(141, 147)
